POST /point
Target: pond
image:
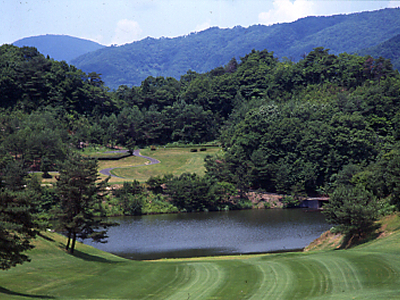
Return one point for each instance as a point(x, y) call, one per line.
point(213, 233)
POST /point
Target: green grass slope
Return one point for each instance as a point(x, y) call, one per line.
point(368, 271)
point(174, 161)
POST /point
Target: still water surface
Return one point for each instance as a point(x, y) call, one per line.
point(213, 233)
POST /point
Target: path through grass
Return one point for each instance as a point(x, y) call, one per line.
point(173, 161)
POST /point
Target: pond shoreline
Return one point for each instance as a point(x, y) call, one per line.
point(184, 235)
point(305, 209)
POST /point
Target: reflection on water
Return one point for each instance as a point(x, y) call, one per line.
point(213, 233)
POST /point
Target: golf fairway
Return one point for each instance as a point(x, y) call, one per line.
point(368, 271)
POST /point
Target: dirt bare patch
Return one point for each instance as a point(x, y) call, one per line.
point(265, 200)
point(327, 240)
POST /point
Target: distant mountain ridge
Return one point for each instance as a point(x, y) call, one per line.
point(388, 49)
point(60, 47)
point(130, 64)
point(201, 52)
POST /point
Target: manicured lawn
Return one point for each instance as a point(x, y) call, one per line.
point(368, 271)
point(121, 163)
point(173, 161)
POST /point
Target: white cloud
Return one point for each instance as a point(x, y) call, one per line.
point(286, 11)
point(127, 31)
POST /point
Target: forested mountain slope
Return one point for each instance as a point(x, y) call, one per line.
point(130, 64)
point(389, 49)
point(323, 124)
point(59, 47)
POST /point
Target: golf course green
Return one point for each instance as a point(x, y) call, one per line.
point(367, 271)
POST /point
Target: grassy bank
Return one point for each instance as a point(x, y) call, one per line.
point(367, 271)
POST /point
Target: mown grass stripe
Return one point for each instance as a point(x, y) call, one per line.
point(274, 281)
point(311, 274)
point(371, 271)
point(191, 281)
point(336, 273)
point(182, 276)
point(375, 269)
point(205, 278)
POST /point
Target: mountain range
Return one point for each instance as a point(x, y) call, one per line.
point(59, 47)
point(389, 49)
point(371, 33)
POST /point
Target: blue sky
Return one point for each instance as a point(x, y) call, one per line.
point(124, 21)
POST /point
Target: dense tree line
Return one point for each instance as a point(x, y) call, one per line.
point(293, 127)
point(169, 194)
point(328, 124)
point(163, 110)
point(286, 126)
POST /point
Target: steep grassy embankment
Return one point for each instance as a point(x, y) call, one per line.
point(368, 271)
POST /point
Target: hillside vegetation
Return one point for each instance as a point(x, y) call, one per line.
point(201, 52)
point(387, 49)
point(325, 125)
point(294, 128)
point(368, 271)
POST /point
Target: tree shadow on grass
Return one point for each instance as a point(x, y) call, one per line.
point(370, 234)
point(45, 237)
point(86, 256)
point(8, 292)
point(95, 258)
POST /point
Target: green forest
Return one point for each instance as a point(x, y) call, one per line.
point(203, 51)
point(325, 125)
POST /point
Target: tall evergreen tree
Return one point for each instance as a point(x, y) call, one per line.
point(80, 214)
point(17, 228)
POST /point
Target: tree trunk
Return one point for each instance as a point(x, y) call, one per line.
point(73, 243)
point(69, 240)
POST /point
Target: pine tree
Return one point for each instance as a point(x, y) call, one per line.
point(16, 228)
point(352, 209)
point(80, 215)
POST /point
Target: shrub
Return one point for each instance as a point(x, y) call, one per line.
point(156, 204)
point(290, 202)
point(134, 187)
point(131, 198)
point(267, 205)
point(203, 149)
point(193, 150)
point(132, 204)
point(244, 204)
point(352, 209)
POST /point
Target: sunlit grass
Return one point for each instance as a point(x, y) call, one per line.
point(369, 271)
point(173, 161)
